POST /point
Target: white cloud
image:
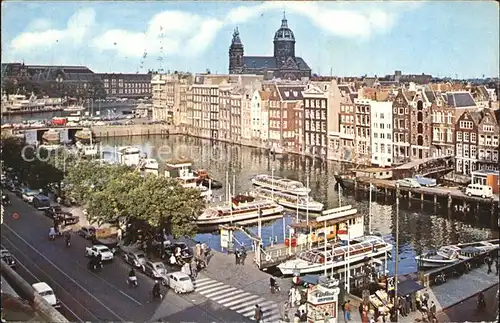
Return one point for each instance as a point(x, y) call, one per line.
point(169, 32)
point(38, 37)
point(345, 23)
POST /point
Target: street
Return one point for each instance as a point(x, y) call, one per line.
point(89, 296)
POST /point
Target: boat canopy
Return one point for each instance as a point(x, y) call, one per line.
point(287, 184)
point(316, 224)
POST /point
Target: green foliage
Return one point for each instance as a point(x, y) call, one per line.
point(27, 163)
point(112, 193)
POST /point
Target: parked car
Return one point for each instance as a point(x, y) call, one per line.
point(408, 182)
point(52, 211)
point(425, 181)
point(44, 290)
point(156, 270)
point(135, 258)
point(28, 195)
point(180, 282)
point(8, 258)
point(87, 232)
point(186, 252)
point(18, 190)
point(105, 252)
point(479, 190)
point(41, 202)
point(66, 218)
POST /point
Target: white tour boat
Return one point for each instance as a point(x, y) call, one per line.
point(74, 108)
point(281, 184)
point(243, 208)
point(129, 155)
point(291, 201)
point(336, 256)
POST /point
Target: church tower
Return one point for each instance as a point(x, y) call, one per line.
point(284, 42)
point(236, 54)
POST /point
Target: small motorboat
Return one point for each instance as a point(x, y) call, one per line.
point(444, 256)
point(205, 180)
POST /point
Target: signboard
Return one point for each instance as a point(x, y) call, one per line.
point(226, 238)
point(31, 137)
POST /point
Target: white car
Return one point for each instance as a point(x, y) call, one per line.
point(29, 195)
point(408, 182)
point(102, 250)
point(44, 290)
point(180, 282)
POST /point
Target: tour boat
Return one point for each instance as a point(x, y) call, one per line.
point(85, 135)
point(74, 108)
point(149, 166)
point(451, 254)
point(291, 201)
point(281, 184)
point(243, 208)
point(129, 156)
point(336, 256)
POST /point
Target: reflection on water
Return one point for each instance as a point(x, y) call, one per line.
point(419, 229)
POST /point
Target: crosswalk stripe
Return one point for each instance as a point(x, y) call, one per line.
point(207, 283)
point(214, 289)
point(207, 288)
point(263, 307)
point(237, 291)
point(237, 303)
point(222, 291)
point(248, 307)
point(234, 300)
point(275, 318)
point(201, 280)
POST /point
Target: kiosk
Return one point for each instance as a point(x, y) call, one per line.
point(322, 302)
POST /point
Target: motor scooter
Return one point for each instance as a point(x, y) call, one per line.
point(95, 265)
point(132, 281)
point(68, 243)
point(275, 288)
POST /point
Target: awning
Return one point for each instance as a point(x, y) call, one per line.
point(408, 287)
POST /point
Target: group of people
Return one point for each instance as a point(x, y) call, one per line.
point(240, 255)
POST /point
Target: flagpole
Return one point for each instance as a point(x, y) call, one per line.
point(370, 211)
point(396, 269)
point(324, 238)
point(348, 256)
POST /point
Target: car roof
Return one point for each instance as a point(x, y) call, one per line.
point(41, 287)
point(100, 246)
point(179, 274)
point(156, 263)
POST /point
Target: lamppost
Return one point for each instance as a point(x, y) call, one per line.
point(396, 269)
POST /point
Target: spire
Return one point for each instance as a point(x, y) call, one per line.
point(284, 22)
point(236, 37)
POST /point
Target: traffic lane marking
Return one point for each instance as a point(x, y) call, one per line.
point(55, 249)
point(61, 289)
point(66, 275)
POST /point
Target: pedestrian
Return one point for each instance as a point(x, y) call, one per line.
point(296, 317)
point(432, 312)
point(496, 266)
point(291, 296)
point(488, 262)
point(402, 306)
point(298, 297)
point(258, 313)
point(194, 269)
point(243, 255)
point(197, 251)
point(347, 311)
point(237, 257)
point(303, 316)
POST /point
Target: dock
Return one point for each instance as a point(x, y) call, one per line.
point(438, 196)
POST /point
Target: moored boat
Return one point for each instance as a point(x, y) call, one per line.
point(242, 208)
point(291, 201)
point(51, 137)
point(85, 135)
point(205, 179)
point(337, 255)
point(182, 170)
point(281, 184)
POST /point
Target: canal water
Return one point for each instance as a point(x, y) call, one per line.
point(419, 230)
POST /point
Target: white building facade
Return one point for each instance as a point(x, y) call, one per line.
point(381, 133)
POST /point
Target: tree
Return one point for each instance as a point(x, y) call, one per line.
point(148, 205)
point(27, 163)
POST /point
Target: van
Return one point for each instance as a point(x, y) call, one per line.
point(479, 190)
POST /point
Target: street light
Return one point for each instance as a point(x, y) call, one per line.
point(396, 268)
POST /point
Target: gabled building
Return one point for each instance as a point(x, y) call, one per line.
point(466, 140)
point(488, 140)
point(401, 130)
point(260, 118)
point(420, 119)
point(443, 127)
point(381, 133)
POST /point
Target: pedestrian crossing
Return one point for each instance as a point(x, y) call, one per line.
point(237, 300)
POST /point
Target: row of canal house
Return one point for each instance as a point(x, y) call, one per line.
point(370, 126)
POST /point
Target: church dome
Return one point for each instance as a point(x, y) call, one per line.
point(284, 33)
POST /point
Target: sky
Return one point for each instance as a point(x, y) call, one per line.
point(442, 38)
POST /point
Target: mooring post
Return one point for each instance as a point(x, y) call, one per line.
point(449, 203)
point(435, 199)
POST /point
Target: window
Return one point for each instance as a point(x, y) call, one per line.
point(488, 128)
point(381, 116)
point(376, 147)
point(449, 135)
point(459, 136)
point(473, 137)
point(495, 155)
point(466, 137)
point(473, 151)
point(495, 141)
point(488, 141)
point(375, 135)
point(481, 140)
point(466, 124)
point(459, 150)
point(466, 150)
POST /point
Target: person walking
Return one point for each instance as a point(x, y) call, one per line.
point(258, 313)
point(291, 297)
point(347, 311)
point(237, 257)
point(496, 266)
point(243, 255)
point(432, 312)
point(488, 262)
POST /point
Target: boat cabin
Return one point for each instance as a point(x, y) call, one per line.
point(129, 156)
point(180, 168)
point(336, 227)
